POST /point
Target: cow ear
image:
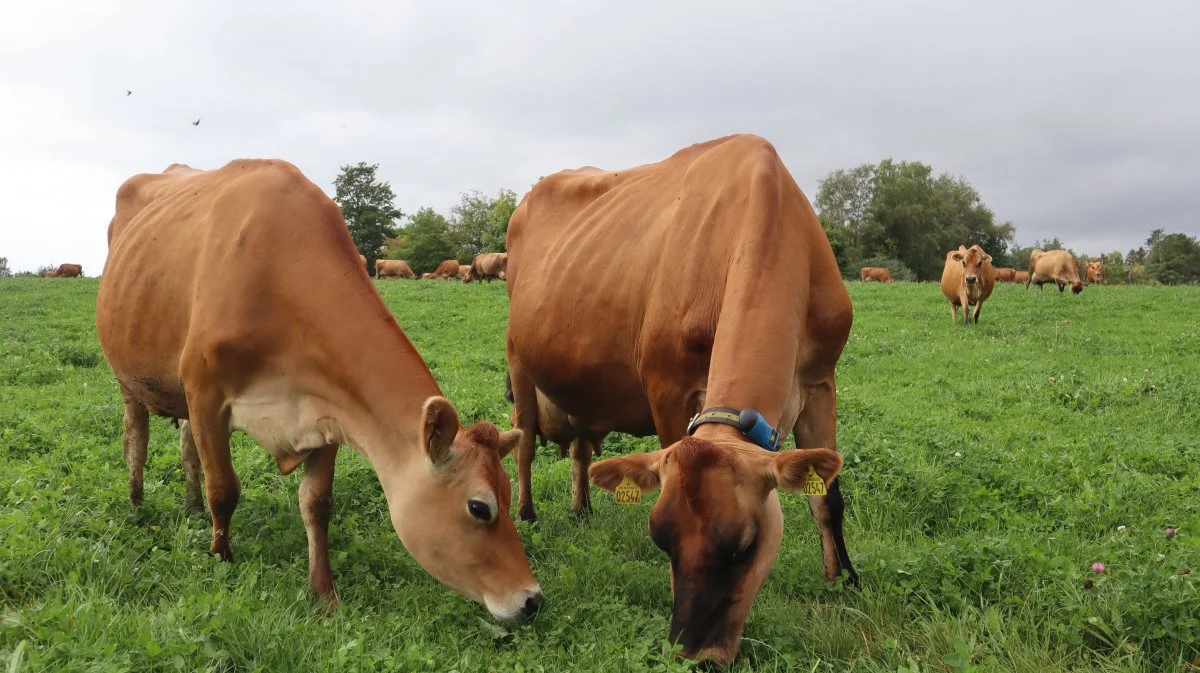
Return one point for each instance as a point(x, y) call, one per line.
point(987, 259)
point(439, 427)
point(641, 468)
point(790, 468)
point(956, 256)
point(509, 441)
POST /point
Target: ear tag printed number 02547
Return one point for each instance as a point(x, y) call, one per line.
point(813, 483)
point(628, 492)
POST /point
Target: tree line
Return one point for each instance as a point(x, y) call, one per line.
point(478, 223)
point(900, 216)
point(896, 215)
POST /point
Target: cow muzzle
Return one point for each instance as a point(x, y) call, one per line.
point(971, 280)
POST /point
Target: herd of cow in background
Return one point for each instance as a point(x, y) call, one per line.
point(968, 277)
point(712, 356)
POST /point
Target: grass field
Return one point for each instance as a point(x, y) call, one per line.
point(987, 469)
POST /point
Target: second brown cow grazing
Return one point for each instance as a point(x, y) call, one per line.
point(447, 269)
point(1004, 274)
point(1095, 272)
point(875, 273)
point(201, 317)
point(621, 341)
point(393, 268)
point(967, 281)
point(1021, 277)
point(1054, 266)
point(489, 266)
point(65, 271)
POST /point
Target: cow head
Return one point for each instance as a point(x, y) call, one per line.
point(452, 514)
point(718, 520)
point(972, 260)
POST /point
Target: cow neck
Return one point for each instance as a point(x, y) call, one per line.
point(387, 384)
point(754, 352)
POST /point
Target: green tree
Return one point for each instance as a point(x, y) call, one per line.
point(1173, 259)
point(368, 205)
point(5, 272)
point(901, 211)
point(479, 223)
point(426, 241)
point(496, 237)
point(844, 201)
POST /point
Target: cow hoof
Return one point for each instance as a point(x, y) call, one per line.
point(328, 603)
point(223, 551)
point(582, 512)
point(135, 492)
point(194, 508)
point(527, 515)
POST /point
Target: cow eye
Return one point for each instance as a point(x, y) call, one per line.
point(480, 510)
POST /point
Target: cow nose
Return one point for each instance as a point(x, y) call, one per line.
point(971, 280)
point(534, 603)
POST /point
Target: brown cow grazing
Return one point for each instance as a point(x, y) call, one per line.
point(875, 273)
point(967, 280)
point(393, 268)
point(1054, 266)
point(488, 266)
point(1095, 272)
point(621, 341)
point(447, 269)
point(1004, 274)
point(1021, 277)
point(65, 271)
point(464, 272)
point(201, 318)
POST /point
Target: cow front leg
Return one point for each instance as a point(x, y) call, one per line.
point(209, 427)
point(817, 428)
point(316, 506)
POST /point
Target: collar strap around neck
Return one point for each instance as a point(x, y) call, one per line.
point(748, 421)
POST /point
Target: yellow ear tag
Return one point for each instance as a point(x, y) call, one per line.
point(628, 492)
point(813, 483)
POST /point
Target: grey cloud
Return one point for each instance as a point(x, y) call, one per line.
point(1075, 122)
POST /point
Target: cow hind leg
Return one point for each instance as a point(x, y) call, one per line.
point(135, 439)
point(316, 506)
point(194, 503)
point(209, 428)
point(816, 428)
point(581, 459)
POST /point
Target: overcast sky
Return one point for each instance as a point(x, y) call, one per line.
point(1081, 123)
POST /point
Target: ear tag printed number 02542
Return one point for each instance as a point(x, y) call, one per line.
point(628, 493)
point(813, 483)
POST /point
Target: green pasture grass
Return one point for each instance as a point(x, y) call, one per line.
point(987, 468)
